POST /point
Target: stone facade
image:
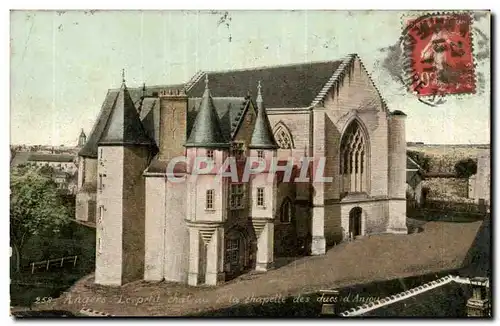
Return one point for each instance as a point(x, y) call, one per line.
point(203, 228)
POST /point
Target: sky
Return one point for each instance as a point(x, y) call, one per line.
point(63, 63)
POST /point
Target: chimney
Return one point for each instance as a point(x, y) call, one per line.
point(479, 304)
point(173, 111)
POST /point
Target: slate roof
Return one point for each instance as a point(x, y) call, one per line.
point(229, 110)
point(288, 86)
point(206, 130)
point(262, 135)
point(124, 126)
point(150, 117)
point(90, 148)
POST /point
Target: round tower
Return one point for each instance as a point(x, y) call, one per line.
point(397, 155)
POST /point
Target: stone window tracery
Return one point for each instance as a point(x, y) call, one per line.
point(353, 159)
point(283, 137)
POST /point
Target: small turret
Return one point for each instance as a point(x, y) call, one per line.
point(206, 131)
point(262, 137)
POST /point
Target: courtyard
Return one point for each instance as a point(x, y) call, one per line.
point(436, 247)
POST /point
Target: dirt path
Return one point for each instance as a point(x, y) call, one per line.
point(441, 246)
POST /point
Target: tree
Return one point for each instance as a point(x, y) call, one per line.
point(465, 168)
point(423, 160)
point(47, 170)
point(36, 208)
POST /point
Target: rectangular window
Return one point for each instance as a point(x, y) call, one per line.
point(237, 196)
point(99, 245)
point(210, 199)
point(210, 154)
point(260, 197)
point(101, 157)
point(101, 213)
point(100, 184)
point(260, 154)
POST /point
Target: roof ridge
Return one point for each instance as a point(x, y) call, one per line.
point(334, 79)
point(271, 66)
point(152, 86)
point(194, 79)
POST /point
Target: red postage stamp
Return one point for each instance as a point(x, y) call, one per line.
point(439, 53)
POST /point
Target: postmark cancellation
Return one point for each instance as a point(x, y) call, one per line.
point(438, 54)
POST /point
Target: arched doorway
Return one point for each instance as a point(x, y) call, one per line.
point(286, 240)
point(237, 258)
point(355, 222)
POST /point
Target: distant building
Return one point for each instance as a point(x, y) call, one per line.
point(64, 165)
point(59, 162)
point(480, 183)
point(66, 182)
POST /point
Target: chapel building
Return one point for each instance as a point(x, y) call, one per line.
point(207, 229)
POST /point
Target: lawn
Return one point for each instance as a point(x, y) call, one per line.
point(438, 247)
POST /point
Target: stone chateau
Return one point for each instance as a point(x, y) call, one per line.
point(206, 230)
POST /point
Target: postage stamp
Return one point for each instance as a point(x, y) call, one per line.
point(438, 49)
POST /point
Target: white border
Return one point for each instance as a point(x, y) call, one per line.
point(198, 4)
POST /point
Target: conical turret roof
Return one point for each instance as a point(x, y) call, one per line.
point(124, 126)
point(262, 136)
point(206, 131)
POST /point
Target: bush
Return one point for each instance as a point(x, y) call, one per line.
point(466, 168)
point(422, 159)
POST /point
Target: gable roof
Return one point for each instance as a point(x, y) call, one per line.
point(288, 86)
point(124, 126)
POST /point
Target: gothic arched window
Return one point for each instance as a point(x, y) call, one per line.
point(283, 137)
point(353, 159)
